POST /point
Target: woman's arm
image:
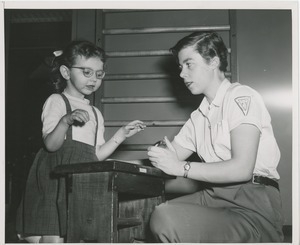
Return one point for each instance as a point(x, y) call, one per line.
point(244, 146)
point(182, 153)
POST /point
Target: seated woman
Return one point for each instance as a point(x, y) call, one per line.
point(231, 130)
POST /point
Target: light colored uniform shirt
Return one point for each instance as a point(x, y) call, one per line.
point(207, 131)
point(55, 108)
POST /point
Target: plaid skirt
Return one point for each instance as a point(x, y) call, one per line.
point(43, 209)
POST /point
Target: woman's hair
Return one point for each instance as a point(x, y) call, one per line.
point(207, 44)
point(68, 56)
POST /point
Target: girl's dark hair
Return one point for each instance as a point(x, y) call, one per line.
point(69, 54)
point(208, 45)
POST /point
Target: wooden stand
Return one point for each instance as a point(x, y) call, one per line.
point(111, 201)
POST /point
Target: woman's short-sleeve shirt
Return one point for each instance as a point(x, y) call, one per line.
point(207, 131)
point(55, 108)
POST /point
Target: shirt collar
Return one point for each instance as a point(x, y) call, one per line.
point(84, 100)
point(218, 100)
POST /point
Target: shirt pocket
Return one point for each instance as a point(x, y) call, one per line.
point(221, 140)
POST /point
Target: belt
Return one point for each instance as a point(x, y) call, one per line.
point(264, 181)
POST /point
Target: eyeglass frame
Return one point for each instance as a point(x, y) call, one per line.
point(93, 71)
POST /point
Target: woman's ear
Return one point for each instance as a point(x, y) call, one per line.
point(65, 72)
point(214, 62)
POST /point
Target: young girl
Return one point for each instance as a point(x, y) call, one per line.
point(72, 133)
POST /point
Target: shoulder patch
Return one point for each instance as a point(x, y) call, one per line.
point(244, 103)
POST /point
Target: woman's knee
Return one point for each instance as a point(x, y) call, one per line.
point(165, 222)
point(161, 219)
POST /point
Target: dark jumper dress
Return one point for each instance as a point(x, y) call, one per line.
point(43, 208)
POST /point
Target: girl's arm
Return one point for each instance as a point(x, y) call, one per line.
point(244, 146)
point(54, 140)
point(105, 150)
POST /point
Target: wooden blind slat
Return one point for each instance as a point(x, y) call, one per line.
point(141, 53)
point(164, 30)
point(152, 123)
point(116, 100)
point(135, 76)
point(138, 53)
point(143, 76)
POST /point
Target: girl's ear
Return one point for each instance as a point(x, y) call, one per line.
point(214, 62)
point(65, 72)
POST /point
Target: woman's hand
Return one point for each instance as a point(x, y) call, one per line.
point(166, 159)
point(78, 115)
point(129, 130)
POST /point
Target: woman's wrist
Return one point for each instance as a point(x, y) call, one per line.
point(186, 168)
point(181, 168)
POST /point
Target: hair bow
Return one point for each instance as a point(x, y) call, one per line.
point(58, 53)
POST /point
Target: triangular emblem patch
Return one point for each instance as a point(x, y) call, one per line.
point(244, 103)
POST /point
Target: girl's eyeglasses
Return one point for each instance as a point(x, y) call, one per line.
point(88, 72)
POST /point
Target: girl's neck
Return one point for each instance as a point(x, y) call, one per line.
point(74, 93)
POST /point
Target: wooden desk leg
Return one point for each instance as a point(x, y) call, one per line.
point(91, 209)
point(138, 196)
point(141, 207)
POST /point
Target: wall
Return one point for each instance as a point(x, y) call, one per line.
point(264, 49)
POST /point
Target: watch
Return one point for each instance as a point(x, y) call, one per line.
point(187, 167)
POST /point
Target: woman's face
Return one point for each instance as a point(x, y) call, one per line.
point(195, 71)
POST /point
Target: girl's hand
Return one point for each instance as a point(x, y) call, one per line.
point(133, 127)
point(129, 130)
point(166, 159)
point(78, 115)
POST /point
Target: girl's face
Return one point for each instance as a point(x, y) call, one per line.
point(85, 76)
point(195, 71)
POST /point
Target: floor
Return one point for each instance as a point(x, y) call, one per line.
point(11, 237)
